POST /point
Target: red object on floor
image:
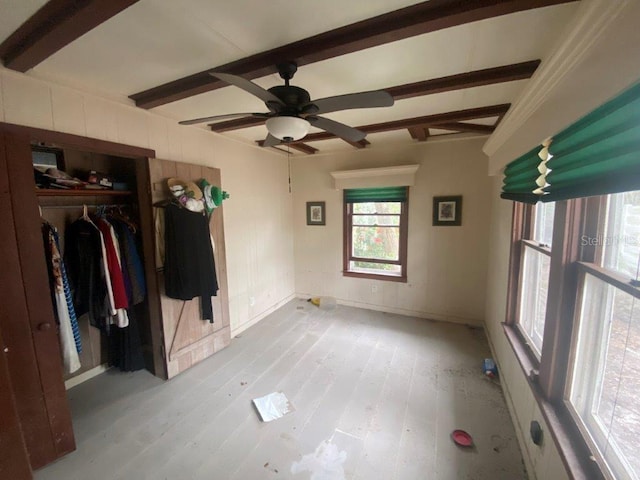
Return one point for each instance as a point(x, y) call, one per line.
point(462, 438)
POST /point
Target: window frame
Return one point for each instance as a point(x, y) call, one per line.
point(548, 375)
point(347, 250)
point(543, 250)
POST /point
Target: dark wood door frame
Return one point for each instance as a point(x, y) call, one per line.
point(27, 321)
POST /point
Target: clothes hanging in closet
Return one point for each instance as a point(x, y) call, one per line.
point(87, 273)
point(125, 347)
point(70, 342)
point(108, 280)
point(189, 266)
point(114, 267)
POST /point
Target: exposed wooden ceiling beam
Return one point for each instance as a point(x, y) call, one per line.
point(419, 133)
point(426, 121)
point(301, 147)
point(361, 144)
point(487, 76)
point(55, 25)
point(477, 78)
point(466, 127)
point(304, 148)
point(407, 22)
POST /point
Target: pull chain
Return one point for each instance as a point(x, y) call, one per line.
point(289, 164)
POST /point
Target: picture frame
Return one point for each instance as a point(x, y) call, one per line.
point(316, 213)
point(447, 211)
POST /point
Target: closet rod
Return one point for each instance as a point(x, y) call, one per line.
point(119, 205)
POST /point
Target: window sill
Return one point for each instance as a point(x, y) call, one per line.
point(573, 450)
point(375, 276)
point(528, 361)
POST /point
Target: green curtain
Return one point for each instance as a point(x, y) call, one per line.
point(381, 194)
point(600, 153)
point(597, 155)
point(520, 178)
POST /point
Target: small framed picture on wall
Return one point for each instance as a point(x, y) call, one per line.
point(315, 213)
point(447, 211)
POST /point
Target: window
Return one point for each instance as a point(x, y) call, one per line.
point(605, 373)
point(375, 229)
point(536, 261)
point(586, 374)
point(581, 294)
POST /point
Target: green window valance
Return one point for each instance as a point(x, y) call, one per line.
point(597, 155)
point(381, 194)
point(520, 178)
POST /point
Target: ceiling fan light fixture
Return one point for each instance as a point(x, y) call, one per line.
point(288, 128)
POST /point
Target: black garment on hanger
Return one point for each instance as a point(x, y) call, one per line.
point(83, 256)
point(189, 267)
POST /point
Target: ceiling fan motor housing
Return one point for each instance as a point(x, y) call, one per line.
point(291, 96)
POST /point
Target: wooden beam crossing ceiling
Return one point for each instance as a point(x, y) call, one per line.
point(466, 127)
point(407, 22)
point(419, 133)
point(301, 147)
point(418, 127)
point(476, 78)
point(55, 25)
point(361, 144)
point(432, 121)
point(487, 76)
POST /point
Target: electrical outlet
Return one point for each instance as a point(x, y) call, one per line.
point(252, 301)
point(374, 288)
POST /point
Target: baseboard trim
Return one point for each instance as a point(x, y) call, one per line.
point(84, 376)
point(522, 436)
point(252, 321)
point(472, 322)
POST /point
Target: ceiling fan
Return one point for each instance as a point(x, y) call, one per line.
point(291, 111)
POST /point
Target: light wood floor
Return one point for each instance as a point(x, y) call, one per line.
point(376, 397)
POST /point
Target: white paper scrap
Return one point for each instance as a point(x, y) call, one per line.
point(273, 406)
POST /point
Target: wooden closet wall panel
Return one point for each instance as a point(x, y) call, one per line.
point(14, 461)
point(143, 186)
point(213, 176)
point(39, 307)
point(21, 358)
point(187, 338)
point(17, 348)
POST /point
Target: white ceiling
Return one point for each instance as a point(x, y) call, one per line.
point(156, 41)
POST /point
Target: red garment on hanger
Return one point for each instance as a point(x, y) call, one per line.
point(115, 270)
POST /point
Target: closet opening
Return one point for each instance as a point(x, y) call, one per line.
point(81, 192)
point(57, 179)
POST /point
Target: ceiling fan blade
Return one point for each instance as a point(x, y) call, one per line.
point(248, 86)
point(215, 118)
point(271, 141)
point(375, 98)
point(339, 129)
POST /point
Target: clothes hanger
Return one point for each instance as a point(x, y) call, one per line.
point(122, 216)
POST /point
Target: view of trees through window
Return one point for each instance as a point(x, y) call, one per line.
point(376, 235)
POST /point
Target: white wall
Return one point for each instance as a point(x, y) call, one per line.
point(596, 58)
point(447, 266)
point(258, 216)
point(542, 462)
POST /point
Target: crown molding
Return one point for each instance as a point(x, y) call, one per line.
point(592, 20)
point(402, 175)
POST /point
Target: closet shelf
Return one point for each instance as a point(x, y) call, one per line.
point(52, 192)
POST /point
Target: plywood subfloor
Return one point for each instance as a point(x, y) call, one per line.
point(376, 396)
